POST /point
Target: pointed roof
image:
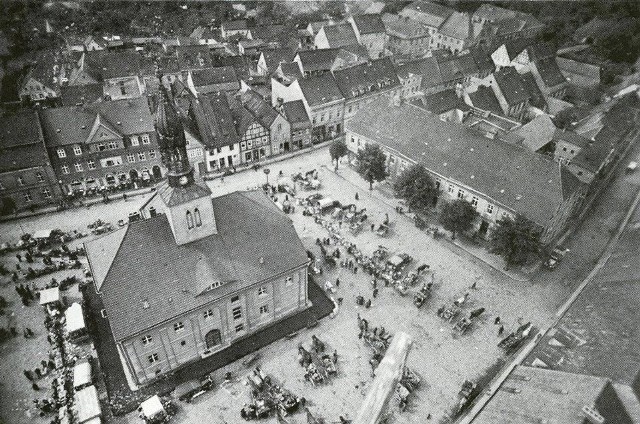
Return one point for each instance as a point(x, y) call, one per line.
point(166, 119)
point(369, 24)
point(340, 35)
point(537, 133)
point(102, 252)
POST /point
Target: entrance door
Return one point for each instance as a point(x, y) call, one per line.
point(484, 226)
point(156, 172)
point(213, 338)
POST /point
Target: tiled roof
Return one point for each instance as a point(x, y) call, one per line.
point(537, 133)
point(296, 114)
point(21, 142)
point(571, 138)
point(103, 65)
point(317, 60)
point(250, 227)
point(235, 25)
point(573, 66)
point(369, 24)
point(541, 51)
point(525, 181)
point(339, 35)
point(193, 57)
point(493, 13)
point(550, 72)
point(174, 196)
point(259, 108)
point(405, 28)
point(241, 64)
point(214, 120)
point(428, 13)
point(215, 76)
point(290, 70)
point(516, 46)
point(485, 99)
point(593, 156)
point(457, 26)
point(73, 95)
point(319, 90)
point(482, 59)
point(273, 57)
point(443, 101)
point(536, 98)
point(269, 33)
point(427, 67)
point(511, 85)
point(378, 74)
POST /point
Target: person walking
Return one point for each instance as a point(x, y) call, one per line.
point(497, 321)
point(28, 374)
point(35, 387)
point(19, 257)
point(501, 330)
point(373, 227)
point(375, 293)
point(357, 196)
point(337, 282)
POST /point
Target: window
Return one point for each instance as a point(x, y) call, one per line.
point(145, 139)
point(237, 312)
point(39, 177)
point(489, 208)
point(262, 291)
point(247, 156)
point(178, 326)
point(215, 285)
point(152, 154)
point(101, 147)
point(46, 193)
point(460, 194)
point(78, 167)
point(196, 216)
point(142, 156)
point(27, 197)
point(450, 189)
point(474, 201)
point(112, 145)
point(77, 150)
point(239, 328)
point(20, 181)
point(123, 90)
point(208, 313)
point(65, 169)
point(147, 340)
point(131, 157)
point(231, 147)
point(264, 309)
point(62, 153)
point(288, 281)
point(189, 220)
point(153, 358)
point(135, 140)
point(234, 299)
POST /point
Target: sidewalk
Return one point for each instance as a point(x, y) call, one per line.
point(383, 193)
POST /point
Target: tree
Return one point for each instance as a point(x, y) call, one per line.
point(457, 216)
point(416, 187)
point(372, 164)
point(516, 240)
point(337, 150)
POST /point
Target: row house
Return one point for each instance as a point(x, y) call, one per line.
point(27, 178)
point(429, 14)
point(457, 33)
point(270, 59)
point(299, 122)
point(42, 81)
point(108, 144)
point(323, 101)
point(447, 105)
point(462, 164)
point(239, 28)
point(364, 83)
point(204, 35)
point(279, 130)
point(407, 39)
point(196, 150)
point(211, 80)
point(255, 144)
point(420, 76)
point(521, 27)
point(335, 36)
point(320, 61)
point(216, 127)
point(371, 33)
point(514, 92)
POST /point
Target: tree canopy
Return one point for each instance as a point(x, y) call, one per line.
point(458, 216)
point(516, 240)
point(416, 187)
point(337, 149)
point(372, 164)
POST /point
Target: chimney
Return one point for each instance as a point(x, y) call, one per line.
point(152, 211)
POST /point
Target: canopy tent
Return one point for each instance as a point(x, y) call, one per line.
point(49, 295)
point(42, 234)
point(74, 318)
point(152, 407)
point(395, 260)
point(87, 405)
point(325, 203)
point(82, 373)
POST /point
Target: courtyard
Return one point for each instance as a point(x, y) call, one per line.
point(442, 361)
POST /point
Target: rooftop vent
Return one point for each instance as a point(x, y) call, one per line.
point(502, 191)
point(518, 197)
point(473, 176)
point(145, 304)
point(592, 415)
point(261, 260)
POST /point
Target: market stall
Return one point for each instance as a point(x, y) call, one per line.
point(75, 324)
point(82, 374)
point(50, 297)
point(87, 406)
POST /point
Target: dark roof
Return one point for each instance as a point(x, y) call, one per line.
point(571, 138)
point(536, 98)
point(235, 25)
point(369, 24)
point(174, 196)
point(269, 33)
point(443, 101)
point(593, 156)
point(339, 35)
point(73, 95)
point(214, 120)
point(317, 60)
point(485, 99)
point(259, 108)
point(482, 59)
point(574, 66)
point(273, 57)
point(512, 86)
point(541, 51)
point(241, 64)
point(250, 227)
point(405, 29)
point(214, 76)
point(427, 67)
point(493, 13)
point(21, 142)
point(290, 70)
point(525, 181)
point(321, 89)
point(516, 46)
point(356, 80)
point(427, 12)
point(193, 57)
point(4, 45)
point(103, 64)
point(296, 114)
point(550, 72)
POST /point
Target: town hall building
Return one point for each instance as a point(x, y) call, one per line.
point(198, 273)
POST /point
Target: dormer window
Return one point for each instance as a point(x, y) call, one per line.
point(215, 285)
point(189, 220)
point(196, 216)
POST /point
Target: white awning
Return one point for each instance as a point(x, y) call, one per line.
point(152, 407)
point(82, 373)
point(74, 318)
point(42, 234)
point(87, 405)
point(323, 203)
point(395, 260)
point(49, 295)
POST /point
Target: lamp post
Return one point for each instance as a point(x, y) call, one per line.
point(266, 172)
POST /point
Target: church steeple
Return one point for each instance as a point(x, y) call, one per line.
point(171, 140)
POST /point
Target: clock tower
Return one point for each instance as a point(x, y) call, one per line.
point(187, 201)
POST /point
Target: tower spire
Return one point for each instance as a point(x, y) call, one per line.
point(171, 139)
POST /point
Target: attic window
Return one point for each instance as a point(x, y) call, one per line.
point(215, 285)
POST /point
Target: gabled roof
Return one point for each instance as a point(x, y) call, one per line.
point(73, 95)
point(378, 74)
point(485, 99)
point(317, 60)
point(296, 114)
point(525, 181)
point(273, 57)
point(427, 67)
point(102, 65)
point(214, 76)
point(457, 26)
point(369, 24)
point(493, 13)
point(269, 33)
point(550, 72)
point(259, 108)
point(214, 120)
point(537, 133)
point(193, 57)
point(593, 156)
point(428, 13)
point(536, 98)
point(250, 228)
point(405, 28)
point(235, 25)
point(482, 60)
point(21, 142)
point(511, 85)
point(541, 51)
point(571, 138)
point(516, 46)
point(319, 90)
point(443, 101)
point(340, 35)
point(290, 70)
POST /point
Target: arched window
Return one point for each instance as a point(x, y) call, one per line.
point(189, 220)
point(196, 215)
